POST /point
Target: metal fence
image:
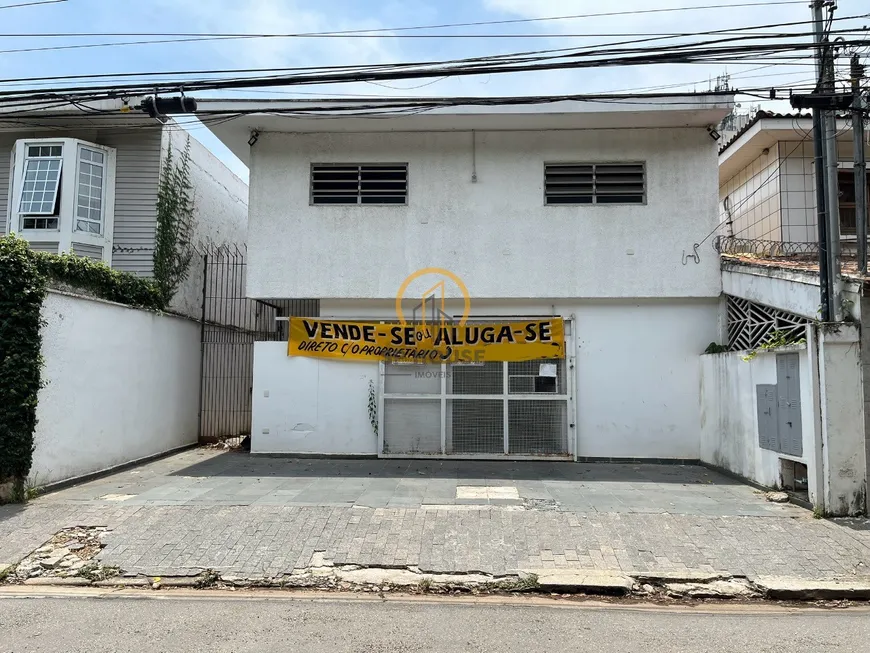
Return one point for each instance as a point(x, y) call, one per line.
point(230, 325)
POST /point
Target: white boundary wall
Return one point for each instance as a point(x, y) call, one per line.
point(729, 415)
point(833, 364)
point(120, 384)
point(636, 380)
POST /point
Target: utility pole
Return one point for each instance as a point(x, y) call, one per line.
point(825, 285)
point(858, 106)
point(832, 190)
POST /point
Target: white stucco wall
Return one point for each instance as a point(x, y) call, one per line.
point(637, 380)
point(310, 405)
point(121, 384)
point(794, 291)
point(842, 413)
point(729, 416)
point(220, 201)
point(496, 234)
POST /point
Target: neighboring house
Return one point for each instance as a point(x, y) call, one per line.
point(767, 180)
point(582, 210)
point(87, 183)
point(796, 415)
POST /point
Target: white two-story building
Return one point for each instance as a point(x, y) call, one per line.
point(584, 210)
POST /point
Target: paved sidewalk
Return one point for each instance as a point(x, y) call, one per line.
point(264, 517)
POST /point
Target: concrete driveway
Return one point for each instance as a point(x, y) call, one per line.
point(259, 517)
point(206, 477)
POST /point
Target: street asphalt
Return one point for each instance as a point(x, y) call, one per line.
point(204, 622)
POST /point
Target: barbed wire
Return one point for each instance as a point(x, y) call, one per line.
point(767, 248)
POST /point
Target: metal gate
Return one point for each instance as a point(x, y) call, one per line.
point(230, 325)
point(489, 410)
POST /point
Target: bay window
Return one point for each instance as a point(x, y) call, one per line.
point(62, 194)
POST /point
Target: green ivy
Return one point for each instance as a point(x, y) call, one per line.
point(24, 276)
point(99, 279)
point(774, 340)
point(22, 289)
point(173, 243)
point(373, 407)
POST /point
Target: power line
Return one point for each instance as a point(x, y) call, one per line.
point(633, 41)
point(717, 50)
point(32, 4)
point(375, 31)
point(85, 46)
point(751, 51)
point(198, 38)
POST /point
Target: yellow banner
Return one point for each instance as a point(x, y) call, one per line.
point(423, 343)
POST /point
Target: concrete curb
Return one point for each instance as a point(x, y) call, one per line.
point(49, 581)
point(121, 581)
point(776, 587)
point(673, 585)
point(582, 582)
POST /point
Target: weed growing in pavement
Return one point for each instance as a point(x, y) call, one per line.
point(208, 578)
point(94, 572)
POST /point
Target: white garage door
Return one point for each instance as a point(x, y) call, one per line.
point(497, 409)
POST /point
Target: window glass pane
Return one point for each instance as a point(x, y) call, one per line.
point(90, 191)
point(39, 223)
point(42, 181)
point(44, 151)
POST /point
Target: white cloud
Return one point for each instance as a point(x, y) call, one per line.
point(280, 17)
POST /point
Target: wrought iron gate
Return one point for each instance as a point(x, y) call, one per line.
point(230, 325)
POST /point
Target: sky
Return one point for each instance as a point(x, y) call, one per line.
point(304, 16)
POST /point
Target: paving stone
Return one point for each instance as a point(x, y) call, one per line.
point(598, 523)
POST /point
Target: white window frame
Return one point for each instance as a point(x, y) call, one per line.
point(82, 147)
point(56, 185)
point(66, 235)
